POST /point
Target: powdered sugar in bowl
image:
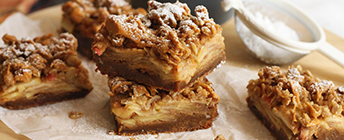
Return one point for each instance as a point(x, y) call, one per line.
point(264, 50)
point(277, 22)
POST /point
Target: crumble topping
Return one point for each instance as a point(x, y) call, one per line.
point(87, 16)
point(298, 93)
point(21, 60)
point(167, 14)
point(168, 32)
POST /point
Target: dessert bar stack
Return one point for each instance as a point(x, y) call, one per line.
point(83, 18)
point(156, 65)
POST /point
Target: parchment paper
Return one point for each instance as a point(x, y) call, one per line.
point(235, 121)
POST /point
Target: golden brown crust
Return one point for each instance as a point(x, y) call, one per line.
point(296, 105)
point(192, 109)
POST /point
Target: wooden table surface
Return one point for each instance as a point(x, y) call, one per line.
point(237, 55)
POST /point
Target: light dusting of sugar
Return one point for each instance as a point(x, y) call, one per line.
point(321, 85)
point(65, 41)
point(199, 12)
point(273, 72)
point(294, 74)
point(186, 25)
point(29, 48)
point(168, 12)
point(118, 3)
point(264, 50)
point(295, 84)
point(341, 89)
point(17, 52)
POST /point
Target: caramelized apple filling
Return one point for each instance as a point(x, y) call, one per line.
point(36, 86)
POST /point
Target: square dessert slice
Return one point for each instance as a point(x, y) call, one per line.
point(296, 105)
point(141, 109)
point(167, 48)
point(84, 18)
point(41, 71)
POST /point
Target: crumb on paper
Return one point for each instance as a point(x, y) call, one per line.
point(220, 137)
point(111, 132)
point(75, 115)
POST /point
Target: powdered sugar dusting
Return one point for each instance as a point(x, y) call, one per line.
point(29, 48)
point(118, 3)
point(187, 25)
point(168, 13)
point(127, 25)
point(294, 74)
point(201, 12)
point(322, 85)
point(341, 89)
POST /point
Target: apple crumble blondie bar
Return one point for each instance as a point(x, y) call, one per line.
point(41, 71)
point(141, 109)
point(167, 48)
point(296, 105)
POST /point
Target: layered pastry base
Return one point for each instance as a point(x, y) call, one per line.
point(41, 71)
point(296, 105)
point(84, 18)
point(167, 48)
point(141, 109)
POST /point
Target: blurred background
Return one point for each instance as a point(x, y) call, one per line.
point(7, 7)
